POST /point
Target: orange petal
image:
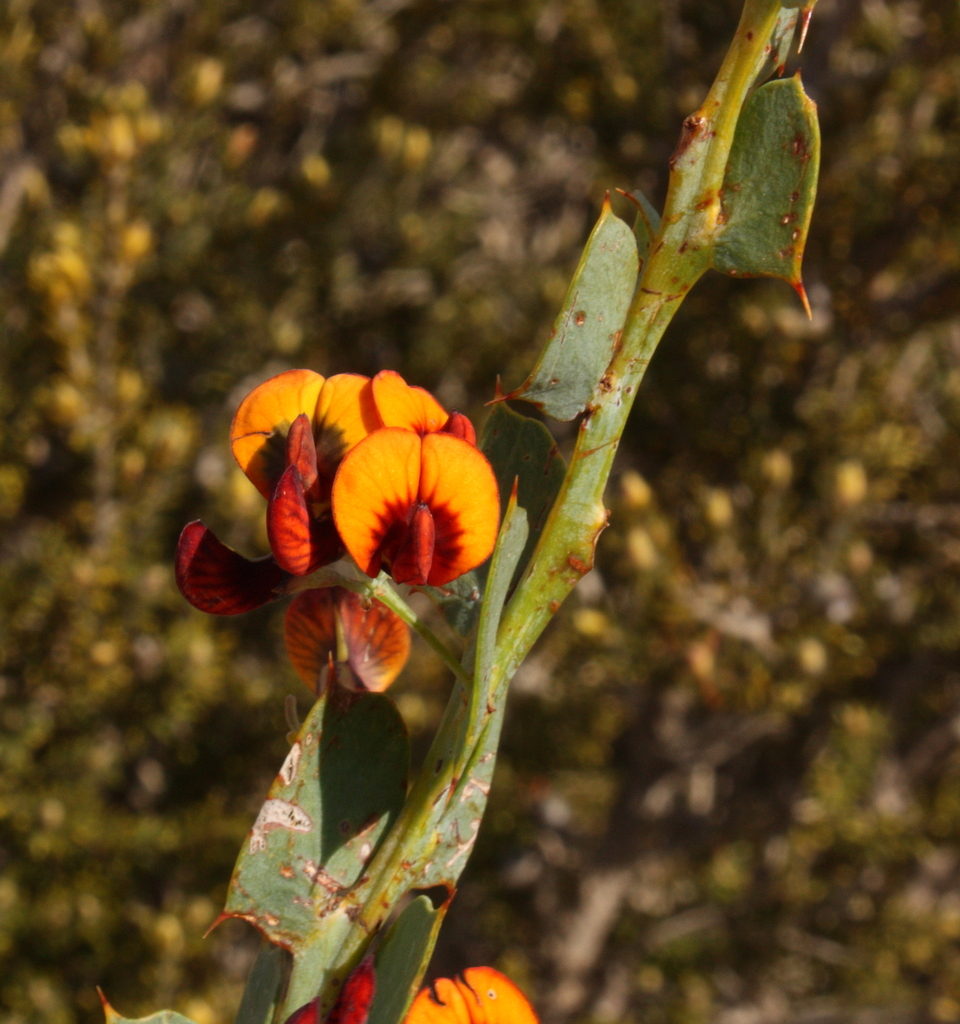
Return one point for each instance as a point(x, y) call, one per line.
point(457, 483)
point(219, 580)
point(378, 641)
point(375, 488)
point(310, 633)
point(345, 414)
point(400, 405)
point(481, 996)
point(259, 429)
point(300, 542)
point(444, 1006)
point(494, 999)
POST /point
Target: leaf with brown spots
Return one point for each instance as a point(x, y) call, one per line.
point(770, 185)
point(587, 331)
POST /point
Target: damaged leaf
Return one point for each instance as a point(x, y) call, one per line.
point(341, 786)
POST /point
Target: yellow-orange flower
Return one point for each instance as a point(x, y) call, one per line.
point(426, 507)
point(480, 995)
point(290, 435)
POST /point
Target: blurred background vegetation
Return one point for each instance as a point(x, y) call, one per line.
point(730, 781)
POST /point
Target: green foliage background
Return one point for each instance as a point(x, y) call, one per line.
point(730, 782)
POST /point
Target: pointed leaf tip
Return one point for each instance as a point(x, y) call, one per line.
point(802, 292)
point(498, 395)
point(804, 25)
point(160, 1017)
point(108, 1011)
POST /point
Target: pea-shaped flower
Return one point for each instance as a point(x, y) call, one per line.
point(480, 995)
point(288, 437)
point(424, 507)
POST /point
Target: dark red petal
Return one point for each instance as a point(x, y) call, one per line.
point(299, 542)
point(378, 640)
point(307, 1014)
point(218, 580)
point(310, 632)
point(302, 453)
point(414, 557)
point(353, 1003)
point(460, 426)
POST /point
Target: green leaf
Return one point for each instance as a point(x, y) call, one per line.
point(503, 564)
point(340, 788)
point(463, 755)
point(519, 448)
point(456, 821)
point(402, 958)
point(587, 331)
point(646, 227)
point(522, 449)
point(263, 985)
point(770, 185)
point(776, 52)
point(459, 601)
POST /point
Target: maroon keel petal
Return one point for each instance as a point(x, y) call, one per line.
point(299, 542)
point(412, 562)
point(460, 426)
point(302, 453)
point(352, 1005)
point(218, 580)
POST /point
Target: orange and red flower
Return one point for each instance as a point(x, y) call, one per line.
point(480, 995)
point(324, 623)
point(288, 436)
point(376, 467)
point(427, 508)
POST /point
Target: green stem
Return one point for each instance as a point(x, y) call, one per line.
point(678, 257)
point(385, 594)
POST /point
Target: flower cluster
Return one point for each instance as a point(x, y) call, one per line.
point(373, 468)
